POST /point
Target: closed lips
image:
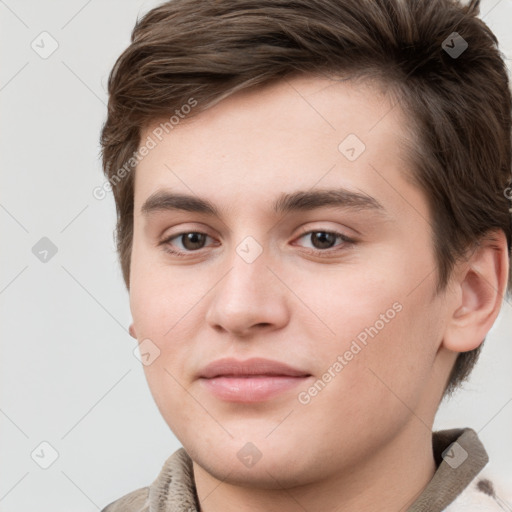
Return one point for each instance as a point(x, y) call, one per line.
point(250, 368)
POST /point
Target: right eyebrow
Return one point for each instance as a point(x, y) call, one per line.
point(168, 201)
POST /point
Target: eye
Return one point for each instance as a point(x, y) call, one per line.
point(190, 241)
point(323, 240)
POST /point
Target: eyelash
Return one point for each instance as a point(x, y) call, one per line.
point(317, 252)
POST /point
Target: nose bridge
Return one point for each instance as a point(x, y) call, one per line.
point(247, 295)
point(249, 244)
point(249, 275)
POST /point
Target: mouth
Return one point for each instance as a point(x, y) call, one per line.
point(253, 380)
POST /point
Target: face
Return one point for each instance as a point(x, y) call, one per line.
point(339, 288)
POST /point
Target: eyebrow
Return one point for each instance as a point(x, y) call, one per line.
point(302, 200)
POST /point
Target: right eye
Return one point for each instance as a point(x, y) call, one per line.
point(191, 241)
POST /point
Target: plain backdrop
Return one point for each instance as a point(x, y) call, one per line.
point(69, 377)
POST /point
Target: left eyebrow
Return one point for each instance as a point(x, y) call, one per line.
point(302, 200)
point(313, 199)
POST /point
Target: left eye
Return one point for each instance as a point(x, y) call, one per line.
point(322, 240)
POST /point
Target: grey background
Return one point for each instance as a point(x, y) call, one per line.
point(68, 373)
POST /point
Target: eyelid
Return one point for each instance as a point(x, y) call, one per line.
point(184, 229)
point(343, 231)
point(308, 229)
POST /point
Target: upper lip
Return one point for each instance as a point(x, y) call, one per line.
point(253, 366)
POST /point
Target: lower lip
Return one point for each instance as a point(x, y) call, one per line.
point(251, 389)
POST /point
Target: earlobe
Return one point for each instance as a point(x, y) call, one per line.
point(480, 290)
point(131, 330)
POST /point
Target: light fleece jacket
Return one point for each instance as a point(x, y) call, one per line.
point(455, 487)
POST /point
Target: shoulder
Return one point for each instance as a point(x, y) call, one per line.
point(135, 501)
point(484, 494)
point(173, 489)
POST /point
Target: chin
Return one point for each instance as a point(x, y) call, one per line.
point(264, 464)
point(264, 474)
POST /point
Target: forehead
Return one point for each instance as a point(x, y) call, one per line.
point(294, 134)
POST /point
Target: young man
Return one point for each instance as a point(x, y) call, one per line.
point(314, 228)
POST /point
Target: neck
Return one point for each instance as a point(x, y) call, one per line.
point(386, 481)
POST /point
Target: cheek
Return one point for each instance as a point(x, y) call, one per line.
point(385, 335)
point(175, 404)
point(162, 304)
point(348, 300)
point(393, 369)
point(375, 382)
point(160, 296)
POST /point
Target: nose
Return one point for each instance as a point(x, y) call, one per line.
point(249, 298)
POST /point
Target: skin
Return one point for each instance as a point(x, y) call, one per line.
point(364, 442)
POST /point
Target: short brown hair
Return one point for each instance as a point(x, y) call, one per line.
point(459, 105)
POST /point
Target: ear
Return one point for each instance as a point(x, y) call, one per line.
point(480, 285)
point(131, 330)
